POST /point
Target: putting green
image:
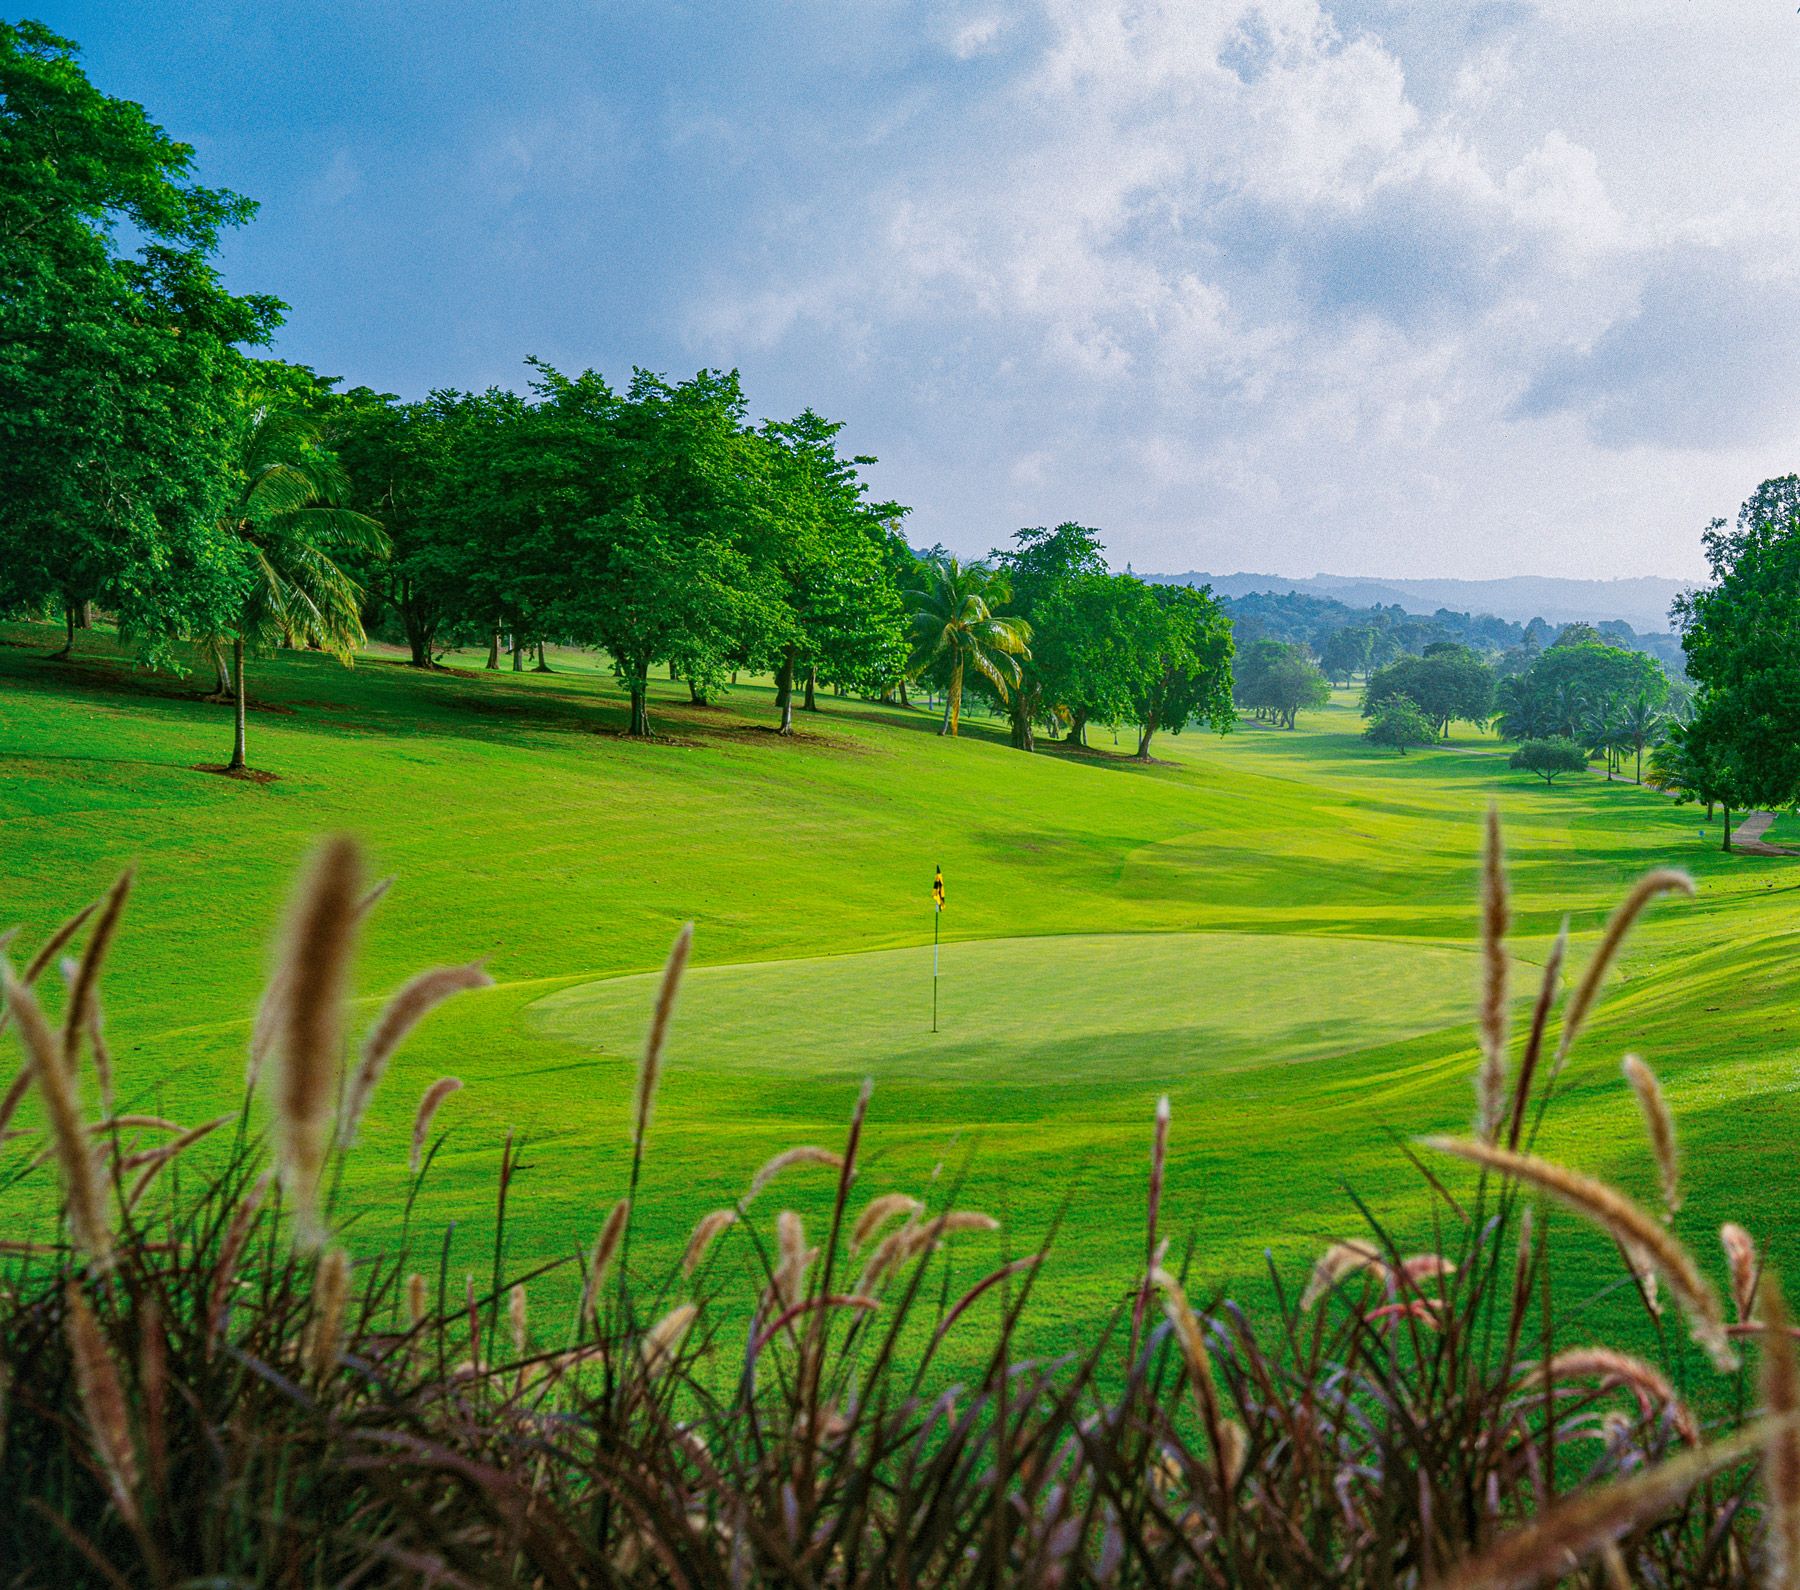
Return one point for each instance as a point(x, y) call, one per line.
point(1046, 1017)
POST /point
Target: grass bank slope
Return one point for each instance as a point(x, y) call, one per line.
point(1275, 927)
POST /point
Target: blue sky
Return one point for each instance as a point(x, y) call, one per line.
point(1399, 287)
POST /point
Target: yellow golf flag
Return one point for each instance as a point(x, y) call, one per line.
point(937, 888)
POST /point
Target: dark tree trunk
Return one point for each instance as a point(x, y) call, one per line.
point(1078, 721)
point(1023, 735)
point(237, 763)
point(68, 644)
point(784, 692)
point(1726, 845)
point(518, 653)
point(493, 661)
point(810, 704)
point(639, 685)
point(221, 679)
point(1146, 734)
point(543, 665)
point(903, 701)
point(696, 696)
point(420, 632)
point(673, 673)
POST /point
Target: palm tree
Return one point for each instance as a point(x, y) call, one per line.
point(285, 514)
point(1567, 707)
point(955, 628)
point(1642, 726)
point(1523, 714)
point(1603, 735)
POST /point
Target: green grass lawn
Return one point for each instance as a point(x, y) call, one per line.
point(1274, 927)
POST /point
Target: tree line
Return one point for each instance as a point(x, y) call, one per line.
point(155, 469)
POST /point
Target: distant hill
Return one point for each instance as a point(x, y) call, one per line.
point(1642, 602)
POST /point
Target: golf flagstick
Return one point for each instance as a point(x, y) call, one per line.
point(937, 915)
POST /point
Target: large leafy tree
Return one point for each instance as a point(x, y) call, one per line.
point(118, 370)
point(1189, 680)
point(1040, 566)
point(1447, 683)
point(1741, 635)
point(1276, 679)
point(826, 544)
point(632, 515)
point(1097, 641)
point(295, 536)
point(958, 629)
point(416, 467)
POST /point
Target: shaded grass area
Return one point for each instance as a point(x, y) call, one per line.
point(1324, 895)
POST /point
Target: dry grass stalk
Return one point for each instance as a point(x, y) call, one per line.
point(429, 1101)
point(1490, 1077)
point(1623, 1220)
point(102, 1403)
point(606, 1249)
point(517, 1318)
point(650, 1069)
point(415, 1000)
point(231, 1249)
point(271, 1008)
point(415, 1299)
point(1226, 1437)
point(84, 1192)
point(1660, 1125)
point(708, 1228)
point(16, 1090)
point(1340, 1261)
point(95, 1029)
point(49, 950)
point(156, 1160)
point(1663, 880)
point(878, 1211)
point(1740, 1255)
point(1647, 1384)
point(1571, 1531)
point(81, 1010)
point(1780, 1387)
point(805, 1154)
point(662, 1342)
point(331, 1288)
point(795, 1258)
point(1548, 987)
point(320, 940)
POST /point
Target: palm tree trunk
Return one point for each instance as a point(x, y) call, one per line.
point(953, 702)
point(238, 764)
point(784, 692)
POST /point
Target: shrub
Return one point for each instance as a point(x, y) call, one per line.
point(205, 1386)
point(1398, 723)
point(1549, 759)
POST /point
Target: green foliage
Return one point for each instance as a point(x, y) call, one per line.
point(1275, 680)
point(118, 373)
point(1189, 679)
point(1398, 723)
point(1742, 639)
point(1449, 683)
point(1096, 641)
point(1549, 759)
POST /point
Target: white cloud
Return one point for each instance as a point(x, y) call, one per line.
point(1243, 283)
